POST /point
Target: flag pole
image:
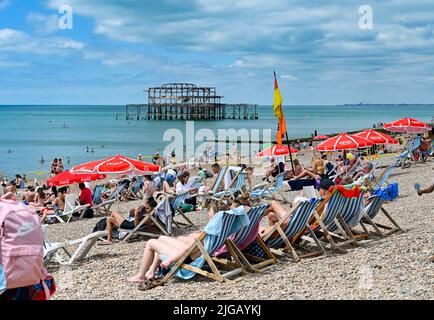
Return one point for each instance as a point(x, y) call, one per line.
point(290, 154)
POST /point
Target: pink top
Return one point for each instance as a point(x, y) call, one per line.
point(241, 246)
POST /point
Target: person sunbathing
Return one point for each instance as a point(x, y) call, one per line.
point(426, 190)
point(109, 188)
point(29, 195)
point(277, 211)
point(117, 220)
point(171, 248)
point(40, 199)
point(298, 169)
point(56, 207)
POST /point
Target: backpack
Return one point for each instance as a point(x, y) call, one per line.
point(21, 245)
point(101, 225)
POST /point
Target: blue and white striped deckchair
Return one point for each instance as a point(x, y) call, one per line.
point(97, 192)
point(219, 180)
point(416, 145)
point(407, 154)
point(350, 213)
point(134, 192)
point(383, 177)
point(372, 210)
point(330, 207)
point(214, 236)
point(216, 185)
point(268, 191)
point(241, 239)
point(104, 206)
point(298, 220)
point(431, 150)
point(176, 202)
point(237, 187)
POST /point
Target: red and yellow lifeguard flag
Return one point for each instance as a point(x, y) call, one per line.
point(281, 129)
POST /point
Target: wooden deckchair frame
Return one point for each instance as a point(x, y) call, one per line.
point(135, 231)
point(289, 247)
point(260, 266)
point(215, 274)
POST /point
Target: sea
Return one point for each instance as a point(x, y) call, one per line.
point(83, 133)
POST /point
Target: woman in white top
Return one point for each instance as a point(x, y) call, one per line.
point(183, 186)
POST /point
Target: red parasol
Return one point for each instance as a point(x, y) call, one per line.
point(377, 137)
point(321, 137)
point(276, 150)
point(343, 141)
point(407, 125)
point(117, 164)
point(67, 178)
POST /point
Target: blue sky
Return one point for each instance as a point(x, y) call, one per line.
point(118, 48)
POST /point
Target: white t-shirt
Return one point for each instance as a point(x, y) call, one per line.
point(228, 178)
point(183, 188)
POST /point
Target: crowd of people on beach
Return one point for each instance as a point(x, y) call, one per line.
point(324, 172)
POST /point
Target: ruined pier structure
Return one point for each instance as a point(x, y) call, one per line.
point(184, 101)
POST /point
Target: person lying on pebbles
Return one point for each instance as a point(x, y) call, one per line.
point(172, 248)
point(429, 189)
point(117, 220)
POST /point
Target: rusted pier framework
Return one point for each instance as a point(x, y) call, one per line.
point(184, 101)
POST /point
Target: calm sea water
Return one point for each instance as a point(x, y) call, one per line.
point(32, 132)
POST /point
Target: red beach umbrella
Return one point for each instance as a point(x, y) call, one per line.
point(377, 137)
point(67, 178)
point(117, 164)
point(407, 125)
point(320, 137)
point(276, 150)
point(343, 141)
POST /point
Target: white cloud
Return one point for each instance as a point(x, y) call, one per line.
point(288, 77)
point(12, 40)
point(43, 23)
point(4, 4)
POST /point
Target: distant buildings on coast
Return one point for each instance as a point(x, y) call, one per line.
point(383, 104)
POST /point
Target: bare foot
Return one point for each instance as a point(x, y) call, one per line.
point(136, 279)
point(166, 264)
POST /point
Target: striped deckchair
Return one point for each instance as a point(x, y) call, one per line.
point(134, 192)
point(151, 217)
point(348, 216)
point(372, 210)
point(219, 180)
point(381, 180)
point(407, 154)
point(206, 198)
point(298, 220)
point(325, 214)
point(214, 236)
point(268, 190)
point(176, 201)
point(243, 238)
point(104, 206)
point(236, 187)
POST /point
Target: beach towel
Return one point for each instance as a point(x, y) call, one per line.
point(164, 214)
point(213, 239)
point(349, 191)
point(388, 193)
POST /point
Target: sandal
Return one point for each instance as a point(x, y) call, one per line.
point(149, 284)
